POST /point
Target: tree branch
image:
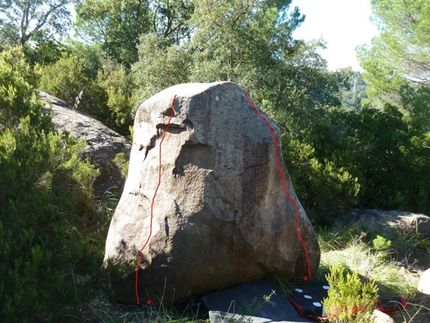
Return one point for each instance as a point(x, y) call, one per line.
point(41, 23)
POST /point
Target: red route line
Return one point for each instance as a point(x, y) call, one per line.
point(284, 186)
point(136, 288)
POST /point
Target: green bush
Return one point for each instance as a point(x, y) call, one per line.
point(114, 79)
point(365, 158)
point(349, 299)
point(66, 79)
point(107, 89)
point(322, 185)
point(46, 202)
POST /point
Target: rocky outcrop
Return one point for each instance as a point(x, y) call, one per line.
point(407, 222)
point(103, 143)
point(205, 191)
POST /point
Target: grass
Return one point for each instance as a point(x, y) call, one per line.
point(394, 260)
point(106, 310)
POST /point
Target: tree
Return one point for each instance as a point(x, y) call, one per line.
point(401, 53)
point(17, 76)
point(90, 55)
point(397, 72)
point(105, 86)
point(22, 21)
point(240, 40)
point(417, 103)
point(354, 92)
point(170, 19)
point(250, 43)
point(44, 52)
point(65, 79)
point(160, 65)
point(118, 25)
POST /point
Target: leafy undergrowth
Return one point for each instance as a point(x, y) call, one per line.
point(393, 260)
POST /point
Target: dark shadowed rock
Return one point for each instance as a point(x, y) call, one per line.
point(220, 216)
point(103, 143)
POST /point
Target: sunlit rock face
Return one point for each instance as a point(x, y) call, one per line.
point(103, 144)
point(215, 212)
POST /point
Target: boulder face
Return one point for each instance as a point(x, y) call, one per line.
point(103, 143)
point(205, 191)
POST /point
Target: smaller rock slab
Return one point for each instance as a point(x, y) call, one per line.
point(103, 143)
point(385, 220)
point(261, 301)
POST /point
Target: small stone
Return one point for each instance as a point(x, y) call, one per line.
point(424, 284)
point(381, 317)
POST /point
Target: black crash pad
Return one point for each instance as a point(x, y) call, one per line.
point(258, 302)
point(307, 300)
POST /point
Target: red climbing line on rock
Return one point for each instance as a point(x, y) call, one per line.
point(172, 110)
point(284, 186)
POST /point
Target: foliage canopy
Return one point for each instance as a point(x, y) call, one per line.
point(401, 53)
point(22, 21)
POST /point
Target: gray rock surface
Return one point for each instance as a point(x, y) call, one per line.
point(103, 143)
point(381, 317)
point(220, 216)
point(408, 222)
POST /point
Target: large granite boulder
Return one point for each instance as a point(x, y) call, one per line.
point(103, 143)
point(208, 196)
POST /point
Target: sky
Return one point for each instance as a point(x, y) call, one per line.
point(343, 24)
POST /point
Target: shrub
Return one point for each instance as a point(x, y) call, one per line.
point(66, 79)
point(45, 201)
point(349, 299)
point(114, 79)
